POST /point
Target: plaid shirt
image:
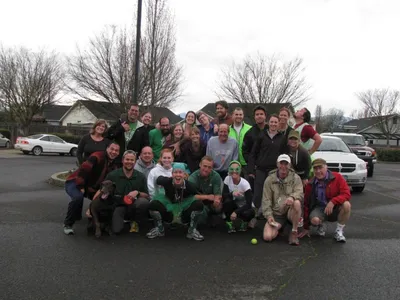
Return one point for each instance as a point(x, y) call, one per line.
point(93, 171)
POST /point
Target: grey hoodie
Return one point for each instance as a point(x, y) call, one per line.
point(142, 168)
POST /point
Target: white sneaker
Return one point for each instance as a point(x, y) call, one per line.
point(339, 237)
point(321, 230)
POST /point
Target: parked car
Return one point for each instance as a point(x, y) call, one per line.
point(45, 143)
point(4, 142)
point(360, 147)
point(340, 158)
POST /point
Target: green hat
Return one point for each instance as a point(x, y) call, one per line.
point(318, 162)
point(294, 135)
point(180, 166)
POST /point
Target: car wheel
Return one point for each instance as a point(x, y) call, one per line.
point(73, 151)
point(7, 145)
point(37, 150)
point(25, 152)
point(61, 154)
point(370, 171)
point(358, 189)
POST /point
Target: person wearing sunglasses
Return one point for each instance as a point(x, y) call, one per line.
point(237, 199)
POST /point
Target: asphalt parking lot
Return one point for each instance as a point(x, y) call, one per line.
point(39, 262)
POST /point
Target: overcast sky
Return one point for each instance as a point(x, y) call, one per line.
point(347, 45)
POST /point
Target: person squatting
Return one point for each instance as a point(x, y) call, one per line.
point(207, 172)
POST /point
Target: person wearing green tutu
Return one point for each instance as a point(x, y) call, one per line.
point(176, 205)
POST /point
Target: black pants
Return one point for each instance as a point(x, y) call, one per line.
point(168, 217)
point(230, 206)
point(259, 186)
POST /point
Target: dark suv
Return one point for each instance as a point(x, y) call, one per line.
point(359, 146)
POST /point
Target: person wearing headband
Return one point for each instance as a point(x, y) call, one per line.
point(177, 204)
point(237, 199)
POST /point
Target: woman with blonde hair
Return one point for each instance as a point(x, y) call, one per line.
point(163, 168)
point(93, 142)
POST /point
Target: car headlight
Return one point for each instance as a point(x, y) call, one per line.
point(362, 166)
point(368, 153)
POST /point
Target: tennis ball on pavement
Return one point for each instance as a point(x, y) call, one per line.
point(254, 241)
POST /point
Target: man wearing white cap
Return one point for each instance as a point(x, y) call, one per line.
point(282, 200)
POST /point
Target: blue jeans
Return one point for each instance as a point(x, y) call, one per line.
point(75, 206)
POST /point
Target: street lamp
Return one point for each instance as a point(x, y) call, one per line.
point(137, 58)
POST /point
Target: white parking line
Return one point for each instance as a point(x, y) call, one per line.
point(382, 194)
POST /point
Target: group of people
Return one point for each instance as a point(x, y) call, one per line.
point(205, 171)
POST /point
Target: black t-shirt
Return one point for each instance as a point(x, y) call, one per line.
point(174, 194)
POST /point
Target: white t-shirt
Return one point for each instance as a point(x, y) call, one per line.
point(238, 128)
point(242, 188)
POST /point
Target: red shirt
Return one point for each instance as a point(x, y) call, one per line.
point(307, 133)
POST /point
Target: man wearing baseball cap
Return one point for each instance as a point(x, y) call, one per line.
point(327, 198)
point(301, 160)
point(282, 200)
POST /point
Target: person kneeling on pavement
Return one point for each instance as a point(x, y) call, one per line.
point(237, 199)
point(177, 205)
point(86, 180)
point(327, 198)
point(282, 200)
point(130, 201)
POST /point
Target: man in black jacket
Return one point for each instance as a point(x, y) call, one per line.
point(301, 160)
point(129, 131)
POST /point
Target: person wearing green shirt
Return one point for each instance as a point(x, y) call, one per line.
point(131, 194)
point(209, 186)
point(157, 137)
point(238, 130)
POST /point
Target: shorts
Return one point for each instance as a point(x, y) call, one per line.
point(281, 219)
point(318, 212)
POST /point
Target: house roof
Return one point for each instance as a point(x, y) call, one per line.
point(52, 112)
point(112, 111)
point(365, 123)
point(248, 108)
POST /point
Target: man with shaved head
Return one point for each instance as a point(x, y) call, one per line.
point(145, 162)
point(223, 149)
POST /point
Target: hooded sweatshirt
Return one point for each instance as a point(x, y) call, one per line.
point(157, 171)
point(142, 168)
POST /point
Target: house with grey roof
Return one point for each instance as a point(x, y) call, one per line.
point(86, 112)
point(377, 130)
point(51, 114)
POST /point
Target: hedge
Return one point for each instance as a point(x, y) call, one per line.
point(6, 133)
point(69, 138)
point(388, 154)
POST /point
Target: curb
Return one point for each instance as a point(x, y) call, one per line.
point(54, 180)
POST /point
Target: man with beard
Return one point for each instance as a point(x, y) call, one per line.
point(145, 163)
point(192, 151)
point(306, 131)
point(301, 160)
point(223, 117)
point(130, 195)
point(223, 149)
point(86, 180)
point(157, 137)
point(177, 205)
point(128, 130)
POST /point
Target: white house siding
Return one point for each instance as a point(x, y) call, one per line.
point(79, 115)
point(375, 129)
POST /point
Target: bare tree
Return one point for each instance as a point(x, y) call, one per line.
point(263, 79)
point(331, 119)
point(28, 81)
point(360, 113)
point(318, 118)
point(106, 69)
point(164, 76)
point(383, 105)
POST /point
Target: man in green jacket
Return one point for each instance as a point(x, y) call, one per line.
point(157, 137)
point(238, 130)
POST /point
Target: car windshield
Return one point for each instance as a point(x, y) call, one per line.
point(35, 136)
point(352, 139)
point(333, 145)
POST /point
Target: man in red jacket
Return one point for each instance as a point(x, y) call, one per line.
point(326, 198)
